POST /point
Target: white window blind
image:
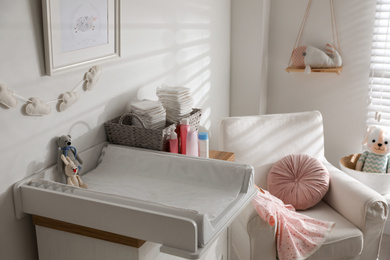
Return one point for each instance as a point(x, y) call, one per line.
point(379, 85)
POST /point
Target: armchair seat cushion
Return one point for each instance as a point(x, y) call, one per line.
point(344, 241)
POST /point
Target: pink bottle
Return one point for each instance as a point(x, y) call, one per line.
point(184, 128)
point(192, 143)
point(173, 143)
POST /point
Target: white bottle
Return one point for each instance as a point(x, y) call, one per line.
point(203, 145)
point(192, 143)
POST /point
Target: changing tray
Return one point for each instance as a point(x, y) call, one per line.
point(179, 201)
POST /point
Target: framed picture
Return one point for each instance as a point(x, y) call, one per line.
point(80, 32)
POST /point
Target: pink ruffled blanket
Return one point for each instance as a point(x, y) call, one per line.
point(297, 236)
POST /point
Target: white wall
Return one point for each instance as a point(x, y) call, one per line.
point(341, 99)
point(249, 57)
point(170, 41)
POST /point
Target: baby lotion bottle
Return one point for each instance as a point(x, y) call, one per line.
point(203, 144)
point(173, 143)
point(184, 128)
point(192, 143)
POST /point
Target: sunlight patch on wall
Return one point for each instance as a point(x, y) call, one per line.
point(205, 120)
point(186, 36)
point(188, 54)
point(191, 71)
point(200, 94)
point(172, 49)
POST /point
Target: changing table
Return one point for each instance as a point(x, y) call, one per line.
point(195, 234)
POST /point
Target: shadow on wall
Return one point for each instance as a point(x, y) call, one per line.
point(261, 141)
point(172, 50)
point(169, 45)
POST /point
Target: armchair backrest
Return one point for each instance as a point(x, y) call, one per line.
point(262, 140)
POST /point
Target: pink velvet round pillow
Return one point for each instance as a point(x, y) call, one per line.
point(299, 180)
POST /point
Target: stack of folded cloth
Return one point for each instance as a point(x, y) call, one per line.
point(151, 113)
point(177, 101)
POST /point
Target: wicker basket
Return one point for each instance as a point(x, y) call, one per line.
point(194, 118)
point(379, 182)
point(350, 160)
point(121, 131)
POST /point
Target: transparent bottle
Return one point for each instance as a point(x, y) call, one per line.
point(203, 144)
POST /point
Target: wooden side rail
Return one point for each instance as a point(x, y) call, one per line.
point(86, 231)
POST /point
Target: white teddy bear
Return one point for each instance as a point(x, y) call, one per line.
point(376, 159)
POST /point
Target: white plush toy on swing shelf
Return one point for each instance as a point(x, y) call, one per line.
point(311, 59)
point(309, 56)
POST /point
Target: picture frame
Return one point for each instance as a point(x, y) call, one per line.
point(80, 32)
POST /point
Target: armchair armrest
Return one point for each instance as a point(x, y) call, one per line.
point(252, 237)
point(362, 206)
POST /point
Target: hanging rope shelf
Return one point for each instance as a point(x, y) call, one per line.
point(309, 59)
point(322, 70)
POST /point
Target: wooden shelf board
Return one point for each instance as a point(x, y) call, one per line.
point(219, 155)
point(320, 70)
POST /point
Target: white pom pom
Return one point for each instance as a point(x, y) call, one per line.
point(307, 70)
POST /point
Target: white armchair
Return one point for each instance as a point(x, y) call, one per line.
point(359, 212)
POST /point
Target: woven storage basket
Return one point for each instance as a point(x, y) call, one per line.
point(194, 118)
point(350, 160)
point(380, 182)
point(121, 131)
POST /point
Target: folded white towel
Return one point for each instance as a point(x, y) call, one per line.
point(177, 101)
point(151, 113)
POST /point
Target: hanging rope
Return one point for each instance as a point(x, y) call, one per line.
point(335, 35)
point(335, 32)
point(298, 40)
